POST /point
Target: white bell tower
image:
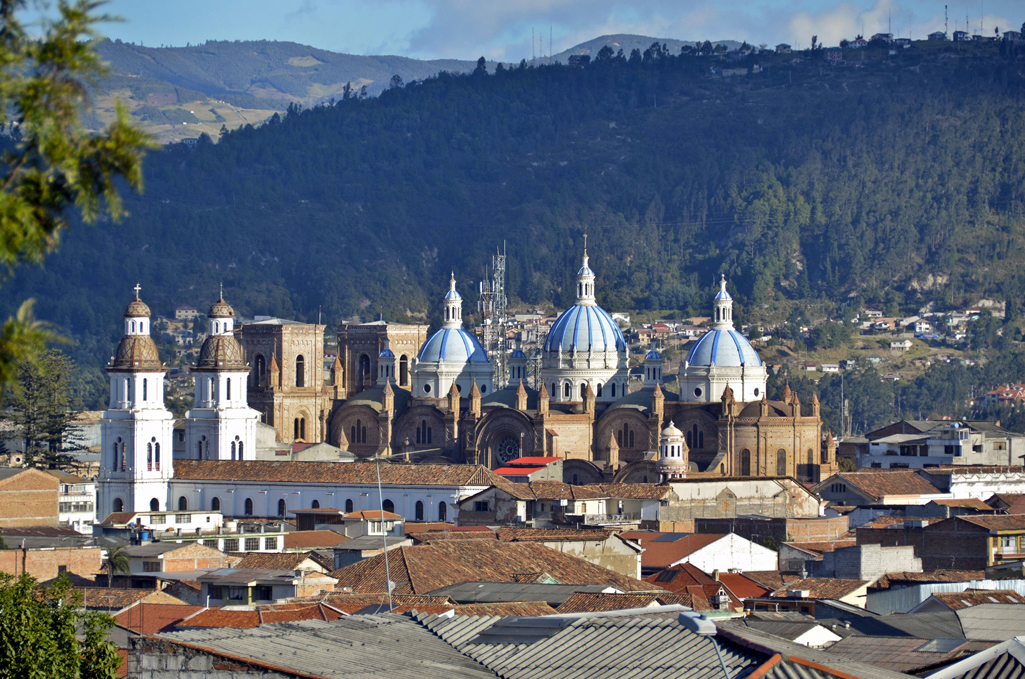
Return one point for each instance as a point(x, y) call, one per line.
point(220, 425)
point(136, 429)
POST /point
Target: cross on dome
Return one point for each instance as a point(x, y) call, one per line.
point(137, 288)
point(723, 308)
point(453, 305)
point(585, 280)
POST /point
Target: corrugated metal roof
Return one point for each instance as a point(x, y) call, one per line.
point(365, 646)
point(993, 622)
point(1003, 661)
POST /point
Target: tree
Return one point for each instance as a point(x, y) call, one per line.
point(482, 67)
point(41, 412)
point(117, 561)
point(54, 167)
point(604, 54)
point(38, 628)
point(396, 82)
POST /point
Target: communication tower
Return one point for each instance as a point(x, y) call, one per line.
point(492, 306)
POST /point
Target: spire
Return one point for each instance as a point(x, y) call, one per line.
point(722, 308)
point(585, 280)
point(787, 394)
point(830, 441)
point(453, 306)
point(521, 397)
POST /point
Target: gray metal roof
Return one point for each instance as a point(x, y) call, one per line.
point(243, 576)
point(784, 629)
point(503, 592)
point(358, 646)
point(564, 647)
point(1003, 661)
point(993, 622)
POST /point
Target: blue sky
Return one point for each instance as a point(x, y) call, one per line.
point(501, 29)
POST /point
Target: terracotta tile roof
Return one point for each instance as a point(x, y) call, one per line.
point(146, 618)
point(332, 472)
point(1006, 498)
point(372, 514)
point(557, 490)
point(955, 601)
point(552, 534)
point(771, 580)
point(592, 602)
point(111, 598)
point(932, 576)
point(968, 503)
point(259, 615)
point(823, 588)
point(424, 526)
point(117, 518)
point(1017, 507)
point(300, 539)
point(351, 603)
point(425, 568)
point(437, 536)
point(1011, 522)
point(508, 609)
point(662, 554)
point(534, 461)
point(122, 669)
point(880, 483)
point(827, 546)
point(636, 491)
point(678, 578)
point(742, 586)
point(284, 561)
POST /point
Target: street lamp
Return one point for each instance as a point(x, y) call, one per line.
point(702, 626)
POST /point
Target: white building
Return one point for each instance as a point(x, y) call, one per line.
point(221, 425)
point(76, 502)
point(945, 443)
point(731, 553)
point(722, 357)
point(585, 347)
point(136, 429)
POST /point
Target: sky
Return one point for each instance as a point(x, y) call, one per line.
point(501, 29)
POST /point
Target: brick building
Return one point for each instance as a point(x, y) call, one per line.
point(49, 562)
point(958, 543)
point(28, 497)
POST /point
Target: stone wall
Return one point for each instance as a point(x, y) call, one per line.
point(152, 659)
point(866, 562)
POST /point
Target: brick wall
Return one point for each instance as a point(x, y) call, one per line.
point(866, 562)
point(44, 564)
point(194, 557)
point(947, 545)
point(28, 499)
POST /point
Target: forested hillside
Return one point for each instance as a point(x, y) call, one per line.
point(895, 180)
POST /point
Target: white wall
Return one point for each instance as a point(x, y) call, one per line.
point(733, 552)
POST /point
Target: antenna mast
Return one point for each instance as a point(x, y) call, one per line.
point(945, 20)
point(494, 316)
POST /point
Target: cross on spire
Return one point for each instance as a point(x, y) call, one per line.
point(137, 288)
point(222, 291)
point(585, 241)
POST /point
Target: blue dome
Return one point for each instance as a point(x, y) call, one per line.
point(452, 294)
point(726, 348)
point(653, 356)
point(518, 353)
point(722, 294)
point(387, 353)
point(452, 345)
point(585, 327)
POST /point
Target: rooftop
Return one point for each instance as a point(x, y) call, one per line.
point(363, 473)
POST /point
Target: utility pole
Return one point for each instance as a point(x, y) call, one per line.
point(494, 316)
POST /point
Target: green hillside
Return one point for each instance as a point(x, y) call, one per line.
point(896, 180)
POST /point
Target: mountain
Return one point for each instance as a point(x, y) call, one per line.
point(628, 43)
point(891, 180)
point(181, 92)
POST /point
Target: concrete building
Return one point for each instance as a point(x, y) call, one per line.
point(865, 562)
point(76, 501)
point(917, 444)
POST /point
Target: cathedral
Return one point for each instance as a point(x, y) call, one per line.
point(395, 391)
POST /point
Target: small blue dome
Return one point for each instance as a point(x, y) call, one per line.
point(653, 356)
point(452, 345)
point(585, 271)
point(722, 294)
point(727, 348)
point(452, 294)
point(387, 353)
point(517, 353)
point(586, 327)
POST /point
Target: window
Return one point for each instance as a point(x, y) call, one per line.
point(315, 504)
point(745, 462)
point(389, 506)
point(149, 457)
point(183, 504)
point(781, 462)
point(418, 511)
point(811, 457)
point(442, 512)
point(613, 390)
point(404, 372)
point(252, 544)
point(566, 390)
point(233, 450)
point(240, 450)
point(249, 507)
point(215, 591)
point(263, 593)
point(838, 487)
point(260, 369)
point(151, 566)
point(281, 507)
point(480, 505)
point(183, 518)
point(227, 389)
point(238, 592)
point(119, 505)
point(598, 394)
point(364, 370)
point(156, 455)
point(348, 506)
point(300, 371)
point(215, 504)
point(1008, 544)
point(299, 429)
point(231, 545)
point(583, 391)
point(270, 544)
point(154, 505)
point(158, 519)
point(824, 455)
point(145, 383)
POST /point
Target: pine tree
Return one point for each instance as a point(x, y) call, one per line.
point(41, 412)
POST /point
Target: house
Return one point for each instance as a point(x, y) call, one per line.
point(599, 602)
point(28, 497)
point(76, 501)
point(958, 543)
point(901, 345)
point(47, 559)
point(697, 498)
point(829, 368)
point(353, 524)
point(158, 557)
point(707, 552)
point(185, 312)
point(783, 48)
point(878, 488)
point(702, 591)
point(125, 525)
point(779, 529)
point(934, 443)
point(288, 561)
point(235, 586)
point(882, 37)
point(799, 596)
point(996, 662)
point(937, 36)
point(865, 562)
point(955, 601)
point(962, 36)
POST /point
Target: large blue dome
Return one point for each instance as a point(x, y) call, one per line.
point(585, 327)
point(452, 345)
point(725, 348)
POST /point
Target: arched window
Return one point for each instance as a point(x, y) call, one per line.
point(233, 450)
point(352, 434)
point(824, 455)
point(149, 457)
point(701, 439)
point(240, 450)
point(745, 462)
point(119, 505)
point(117, 455)
point(154, 505)
point(555, 389)
point(631, 438)
point(583, 391)
point(613, 390)
point(690, 441)
point(215, 504)
point(599, 390)
point(156, 455)
point(781, 462)
point(364, 369)
point(300, 371)
point(133, 326)
point(227, 389)
point(281, 507)
point(404, 372)
point(123, 460)
point(575, 480)
point(388, 506)
point(566, 390)
point(204, 448)
point(418, 513)
point(428, 435)
point(619, 438)
point(299, 429)
point(348, 506)
point(315, 504)
point(811, 457)
point(145, 383)
point(442, 512)
point(249, 506)
point(260, 369)
point(183, 504)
